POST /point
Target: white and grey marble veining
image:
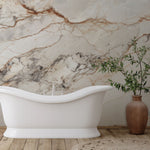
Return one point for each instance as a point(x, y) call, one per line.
point(27, 71)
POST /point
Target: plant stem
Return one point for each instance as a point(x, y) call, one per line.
point(141, 70)
point(141, 76)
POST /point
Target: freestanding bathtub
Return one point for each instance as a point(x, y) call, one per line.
point(74, 115)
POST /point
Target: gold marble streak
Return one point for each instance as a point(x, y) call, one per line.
point(34, 49)
point(7, 27)
point(138, 38)
point(102, 20)
point(94, 21)
point(23, 37)
point(53, 11)
point(129, 46)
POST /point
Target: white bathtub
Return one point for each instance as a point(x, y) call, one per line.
point(74, 115)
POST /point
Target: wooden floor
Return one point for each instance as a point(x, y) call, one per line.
point(62, 144)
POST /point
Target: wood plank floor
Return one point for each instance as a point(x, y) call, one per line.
point(63, 144)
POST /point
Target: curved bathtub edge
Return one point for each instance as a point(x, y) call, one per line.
point(51, 133)
point(54, 99)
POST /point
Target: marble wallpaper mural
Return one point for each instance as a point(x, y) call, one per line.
point(56, 40)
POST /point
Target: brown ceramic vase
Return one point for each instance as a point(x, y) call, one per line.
point(136, 115)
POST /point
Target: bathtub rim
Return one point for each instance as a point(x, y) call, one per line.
point(56, 98)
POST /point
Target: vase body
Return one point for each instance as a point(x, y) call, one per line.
point(136, 115)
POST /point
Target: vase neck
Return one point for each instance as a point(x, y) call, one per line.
point(137, 98)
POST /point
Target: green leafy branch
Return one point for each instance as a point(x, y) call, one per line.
point(136, 78)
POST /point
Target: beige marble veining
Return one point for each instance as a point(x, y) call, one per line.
point(51, 40)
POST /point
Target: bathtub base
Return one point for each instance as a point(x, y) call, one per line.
point(51, 133)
